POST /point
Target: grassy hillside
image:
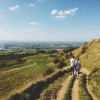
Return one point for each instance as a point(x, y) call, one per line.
point(16, 79)
point(94, 81)
point(89, 54)
point(19, 73)
point(25, 76)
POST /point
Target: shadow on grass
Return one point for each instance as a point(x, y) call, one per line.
point(34, 91)
point(69, 90)
point(85, 87)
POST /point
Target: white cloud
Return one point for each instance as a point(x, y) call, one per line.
point(33, 23)
point(13, 8)
point(30, 29)
point(31, 5)
point(33, 27)
point(62, 14)
point(53, 12)
point(60, 17)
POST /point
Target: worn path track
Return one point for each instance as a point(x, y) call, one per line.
point(75, 95)
point(74, 92)
point(87, 85)
point(62, 92)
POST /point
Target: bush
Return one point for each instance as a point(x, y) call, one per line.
point(20, 60)
point(3, 64)
point(48, 72)
point(56, 61)
point(61, 64)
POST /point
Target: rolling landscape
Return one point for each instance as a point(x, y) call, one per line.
point(44, 75)
point(49, 49)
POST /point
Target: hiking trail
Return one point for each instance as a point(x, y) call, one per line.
point(62, 91)
point(75, 95)
point(85, 71)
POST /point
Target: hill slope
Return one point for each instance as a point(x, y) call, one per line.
point(89, 53)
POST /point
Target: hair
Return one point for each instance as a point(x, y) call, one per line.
point(78, 58)
point(72, 56)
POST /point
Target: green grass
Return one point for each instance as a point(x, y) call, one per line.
point(18, 52)
point(94, 82)
point(51, 91)
point(33, 92)
point(69, 89)
point(17, 79)
point(83, 95)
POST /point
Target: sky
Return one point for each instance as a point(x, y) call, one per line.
point(49, 20)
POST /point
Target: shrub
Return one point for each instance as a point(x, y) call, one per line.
point(56, 60)
point(61, 64)
point(20, 60)
point(48, 72)
point(3, 64)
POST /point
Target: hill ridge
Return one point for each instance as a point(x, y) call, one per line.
point(89, 53)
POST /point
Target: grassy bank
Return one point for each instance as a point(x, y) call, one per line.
point(94, 82)
point(83, 93)
point(52, 90)
point(16, 79)
point(33, 92)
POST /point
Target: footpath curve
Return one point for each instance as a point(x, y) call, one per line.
point(85, 71)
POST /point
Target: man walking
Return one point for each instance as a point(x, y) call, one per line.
point(72, 62)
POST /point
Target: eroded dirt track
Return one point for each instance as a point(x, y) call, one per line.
point(75, 95)
point(62, 92)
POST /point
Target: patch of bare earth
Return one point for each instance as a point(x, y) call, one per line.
point(75, 95)
point(62, 91)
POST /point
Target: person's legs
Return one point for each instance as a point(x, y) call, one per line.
point(73, 70)
point(76, 73)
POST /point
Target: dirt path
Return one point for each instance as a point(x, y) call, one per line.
point(85, 71)
point(87, 85)
point(75, 95)
point(62, 92)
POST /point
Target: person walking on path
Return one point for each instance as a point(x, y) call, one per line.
point(72, 62)
point(77, 67)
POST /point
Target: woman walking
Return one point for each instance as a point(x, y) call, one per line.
point(77, 67)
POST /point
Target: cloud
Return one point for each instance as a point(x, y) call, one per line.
point(33, 27)
point(63, 14)
point(13, 8)
point(53, 12)
point(31, 5)
point(33, 23)
point(60, 17)
point(30, 29)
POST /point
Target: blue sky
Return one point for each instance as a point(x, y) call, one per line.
point(49, 20)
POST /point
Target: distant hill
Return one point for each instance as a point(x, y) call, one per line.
point(89, 54)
